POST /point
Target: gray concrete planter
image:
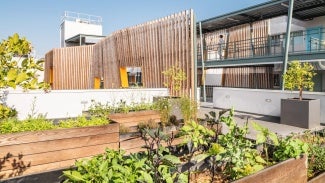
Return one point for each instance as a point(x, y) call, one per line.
point(300, 113)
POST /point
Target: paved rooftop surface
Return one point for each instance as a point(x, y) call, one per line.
point(271, 122)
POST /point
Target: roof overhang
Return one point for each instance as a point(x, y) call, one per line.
point(77, 38)
point(302, 10)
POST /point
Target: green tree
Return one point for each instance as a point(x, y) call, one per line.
point(174, 79)
point(17, 67)
point(299, 76)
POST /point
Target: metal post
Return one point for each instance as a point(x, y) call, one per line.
point(203, 69)
point(251, 39)
point(193, 36)
point(287, 41)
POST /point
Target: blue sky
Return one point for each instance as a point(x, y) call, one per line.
point(39, 20)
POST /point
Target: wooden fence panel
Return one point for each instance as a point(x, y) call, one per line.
point(71, 67)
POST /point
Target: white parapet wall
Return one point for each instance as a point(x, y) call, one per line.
point(71, 103)
point(264, 102)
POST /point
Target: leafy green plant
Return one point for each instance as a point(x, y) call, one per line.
point(97, 109)
point(82, 121)
point(159, 158)
point(212, 120)
point(188, 108)
point(316, 153)
point(33, 124)
point(18, 68)
point(265, 137)
point(7, 112)
point(141, 106)
point(240, 158)
point(299, 76)
point(174, 77)
point(40, 123)
point(163, 105)
point(290, 147)
point(214, 157)
point(112, 166)
point(316, 160)
point(197, 138)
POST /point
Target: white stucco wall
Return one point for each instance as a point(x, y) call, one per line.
point(71, 103)
point(279, 24)
point(73, 28)
point(265, 102)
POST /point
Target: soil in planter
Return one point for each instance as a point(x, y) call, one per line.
point(205, 177)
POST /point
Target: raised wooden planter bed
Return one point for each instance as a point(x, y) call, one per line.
point(32, 152)
point(289, 171)
point(132, 119)
point(318, 179)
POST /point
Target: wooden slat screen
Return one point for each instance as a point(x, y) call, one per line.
point(154, 46)
point(48, 66)
point(260, 36)
point(240, 41)
point(239, 37)
point(71, 67)
point(248, 77)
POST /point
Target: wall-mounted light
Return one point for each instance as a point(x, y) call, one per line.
point(268, 100)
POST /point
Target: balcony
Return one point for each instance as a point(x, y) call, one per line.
point(304, 45)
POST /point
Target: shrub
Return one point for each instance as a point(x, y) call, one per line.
point(112, 166)
point(7, 112)
point(188, 108)
point(299, 76)
point(32, 124)
point(82, 121)
point(40, 123)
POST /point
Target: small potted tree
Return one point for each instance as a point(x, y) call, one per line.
point(300, 112)
point(174, 80)
point(174, 77)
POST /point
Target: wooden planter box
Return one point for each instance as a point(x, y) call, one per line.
point(289, 171)
point(33, 152)
point(318, 179)
point(132, 119)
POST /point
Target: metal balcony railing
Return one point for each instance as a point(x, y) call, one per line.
point(303, 41)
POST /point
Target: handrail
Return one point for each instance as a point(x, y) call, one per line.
point(273, 45)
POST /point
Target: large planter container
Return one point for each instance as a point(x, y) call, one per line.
point(300, 113)
point(175, 105)
point(289, 171)
point(32, 152)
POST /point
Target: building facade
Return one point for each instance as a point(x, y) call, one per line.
point(253, 51)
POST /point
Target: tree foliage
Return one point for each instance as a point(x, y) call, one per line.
point(174, 79)
point(299, 76)
point(18, 68)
